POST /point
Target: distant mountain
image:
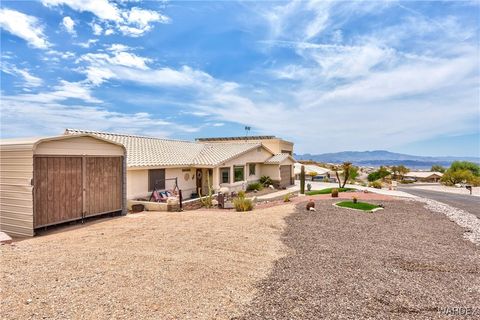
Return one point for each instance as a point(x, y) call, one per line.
point(378, 158)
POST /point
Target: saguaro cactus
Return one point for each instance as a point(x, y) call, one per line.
point(302, 180)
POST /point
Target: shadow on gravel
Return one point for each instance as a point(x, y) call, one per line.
point(403, 262)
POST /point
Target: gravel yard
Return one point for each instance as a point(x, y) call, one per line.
point(196, 265)
point(403, 262)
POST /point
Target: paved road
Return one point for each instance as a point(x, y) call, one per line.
point(464, 202)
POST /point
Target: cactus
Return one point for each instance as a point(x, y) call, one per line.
point(302, 180)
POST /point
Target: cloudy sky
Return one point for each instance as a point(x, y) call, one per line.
point(330, 76)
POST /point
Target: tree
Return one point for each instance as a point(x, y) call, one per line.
point(345, 167)
point(452, 177)
point(353, 173)
point(399, 172)
point(438, 168)
point(466, 165)
point(381, 173)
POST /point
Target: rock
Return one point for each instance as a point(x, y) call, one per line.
point(224, 190)
point(28, 301)
point(271, 187)
point(310, 205)
point(312, 209)
point(214, 202)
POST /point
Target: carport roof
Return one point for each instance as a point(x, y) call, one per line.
point(155, 152)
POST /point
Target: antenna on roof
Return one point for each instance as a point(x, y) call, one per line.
point(247, 130)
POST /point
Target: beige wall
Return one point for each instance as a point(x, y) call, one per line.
point(188, 186)
point(277, 145)
point(78, 146)
point(137, 184)
point(271, 170)
point(258, 156)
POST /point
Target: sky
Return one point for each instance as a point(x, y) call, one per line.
point(330, 76)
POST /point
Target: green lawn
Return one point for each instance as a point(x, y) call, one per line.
point(359, 205)
point(326, 191)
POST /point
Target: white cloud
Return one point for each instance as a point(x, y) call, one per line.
point(69, 24)
point(103, 9)
point(29, 79)
point(131, 22)
point(218, 124)
point(23, 26)
point(88, 43)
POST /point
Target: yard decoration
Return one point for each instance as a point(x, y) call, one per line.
point(309, 187)
point(310, 205)
point(334, 193)
point(354, 199)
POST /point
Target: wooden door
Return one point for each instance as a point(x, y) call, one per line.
point(103, 185)
point(57, 190)
point(285, 176)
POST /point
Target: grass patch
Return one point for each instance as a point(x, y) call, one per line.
point(359, 205)
point(326, 191)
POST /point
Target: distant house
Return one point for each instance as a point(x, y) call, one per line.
point(423, 176)
point(313, 172)
point(231, 163)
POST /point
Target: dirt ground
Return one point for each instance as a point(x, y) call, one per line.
point(403, 262)
point(191, 265)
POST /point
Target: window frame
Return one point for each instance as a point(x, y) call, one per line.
point(227, 170)
point(250, 169)
point(152, 174)
point(234, 173)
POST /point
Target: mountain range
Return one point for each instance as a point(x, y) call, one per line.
point(377, 158)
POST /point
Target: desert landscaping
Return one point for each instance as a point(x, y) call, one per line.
point(278, 261)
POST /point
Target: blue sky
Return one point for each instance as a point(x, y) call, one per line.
point(330, 76)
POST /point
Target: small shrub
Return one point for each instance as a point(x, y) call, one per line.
point(309, 187)
point(255, 186)
point(375, 184)
point(265, 180)
point(325, 179)
point(354, 199)
point(286, 198)
point(334, 193)
point(241, 203)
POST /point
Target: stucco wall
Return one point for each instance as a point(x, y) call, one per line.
point(137, 184)
point(271, 170)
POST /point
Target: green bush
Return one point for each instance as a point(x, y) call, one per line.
point(375, 184)
point(255, 186)
point(286, 198)
point(265, 180)
point(241, 203)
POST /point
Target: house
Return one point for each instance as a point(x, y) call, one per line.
point(194, 165)
point(423, 176)
point(312, 172)
point(272, 143)
point(48, 181)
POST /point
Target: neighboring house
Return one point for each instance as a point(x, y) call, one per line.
point(423, 176)
point(157, 162)
point(312, 172)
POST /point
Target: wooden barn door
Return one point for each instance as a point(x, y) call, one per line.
point(103, 185)
point(57, 190)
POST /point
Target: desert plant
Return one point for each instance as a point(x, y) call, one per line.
point(375, 184)
point(309, 187)
point(334, 193)
point(286, 198)
point(207, 201)
point(255, 186)
point(354, 199)
point(325, 179)
point(302, 180)
point(241, 203)
point(265, 180)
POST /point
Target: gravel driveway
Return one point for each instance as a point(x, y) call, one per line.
point(400, 263)
point(191, 265)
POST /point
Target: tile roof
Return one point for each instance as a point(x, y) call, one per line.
point(423, 174)
point(309, 168)
point(278, 158)
point(148, 151)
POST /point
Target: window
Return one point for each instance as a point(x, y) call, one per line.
point(225, 175)
point(156, 179)
point(287, 152)
point(251, 169)
point(238, 173)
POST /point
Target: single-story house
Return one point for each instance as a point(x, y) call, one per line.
point(154, 162)
point(312, 172)
point(47, 181)
point(423, 176)
point(272, 143)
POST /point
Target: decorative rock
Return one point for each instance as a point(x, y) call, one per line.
point(271, 187)
point(224, 190)
point(311, 205)
point(214, 202)
point(312, 209)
